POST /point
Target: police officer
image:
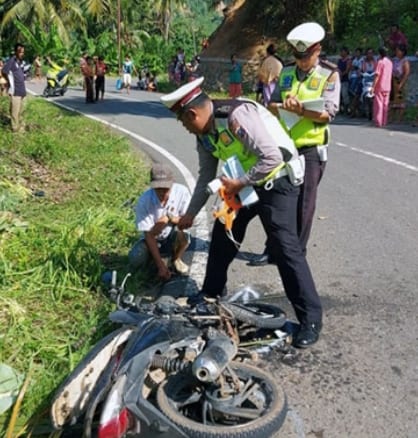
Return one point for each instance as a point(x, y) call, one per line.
point(307, 78)
point(253, 135)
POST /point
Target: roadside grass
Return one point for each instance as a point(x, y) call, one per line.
point(66, 189)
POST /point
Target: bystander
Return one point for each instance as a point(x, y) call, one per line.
point(17, 89)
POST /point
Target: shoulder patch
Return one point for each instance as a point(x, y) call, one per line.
point(238, 130)
point(330, 86)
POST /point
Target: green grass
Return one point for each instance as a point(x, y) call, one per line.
point(66, 189)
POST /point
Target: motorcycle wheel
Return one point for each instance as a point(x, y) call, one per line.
point(261, 315)
point(46, 92)
point(258, 413)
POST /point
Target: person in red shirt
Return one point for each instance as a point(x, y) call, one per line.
point(396, 37)
point(100, 72)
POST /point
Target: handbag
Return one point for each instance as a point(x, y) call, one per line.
point(119, 84)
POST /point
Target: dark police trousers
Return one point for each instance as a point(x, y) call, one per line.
point(277, 210)
point(314, 169)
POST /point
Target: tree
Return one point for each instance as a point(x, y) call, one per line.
point(330, 8)
point(47, 14)
point(165, 9)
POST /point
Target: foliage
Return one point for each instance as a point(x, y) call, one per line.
point(52, 252)
point(148, 39)
point(152, 30)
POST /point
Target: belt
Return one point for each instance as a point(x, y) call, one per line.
point(308, 148)
point(268, 185)
point(321, 150)
point(280, 173)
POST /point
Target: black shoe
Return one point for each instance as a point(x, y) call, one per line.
point(260, 260)
point(308, 334)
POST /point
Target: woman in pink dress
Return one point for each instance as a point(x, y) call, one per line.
point(381, 89)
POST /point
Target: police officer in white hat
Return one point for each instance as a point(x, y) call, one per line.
point(308, 78)
point(248, 131)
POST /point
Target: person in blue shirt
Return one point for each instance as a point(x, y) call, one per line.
point(128, 68)
point(13, 70)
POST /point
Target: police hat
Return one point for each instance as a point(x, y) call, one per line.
point(305, 38)
point(184, 95)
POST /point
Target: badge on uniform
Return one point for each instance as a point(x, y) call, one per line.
point(286, 82)
point(330, 86)
point(226, 138)
point(314, 83)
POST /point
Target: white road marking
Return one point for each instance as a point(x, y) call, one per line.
point(381, 157)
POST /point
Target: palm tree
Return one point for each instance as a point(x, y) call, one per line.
point(165, 9)
point(61, 15)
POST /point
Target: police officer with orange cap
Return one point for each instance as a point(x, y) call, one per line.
point(249, 132)
point(308, 78)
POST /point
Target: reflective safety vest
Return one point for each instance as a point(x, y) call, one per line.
point(226, 145)
point(305, 132)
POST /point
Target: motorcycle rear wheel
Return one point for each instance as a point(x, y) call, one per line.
point(180, 398)
point(261, 315)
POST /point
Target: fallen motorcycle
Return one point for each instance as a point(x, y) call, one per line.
point(173, 371)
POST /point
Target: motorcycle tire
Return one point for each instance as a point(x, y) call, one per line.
point(177, 388)
point(261, 315)
point(46, 92)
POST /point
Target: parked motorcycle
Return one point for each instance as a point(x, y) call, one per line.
point(174, 371)
point(366, 97)
point(57, 79)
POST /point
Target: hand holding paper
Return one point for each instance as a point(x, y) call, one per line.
point(290, 118)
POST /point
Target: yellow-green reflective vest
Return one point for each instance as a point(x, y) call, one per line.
point(305, 132)
point(228, 146)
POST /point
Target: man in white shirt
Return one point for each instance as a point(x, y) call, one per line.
point(157, 212)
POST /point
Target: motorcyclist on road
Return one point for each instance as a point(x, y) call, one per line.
point(55, 72)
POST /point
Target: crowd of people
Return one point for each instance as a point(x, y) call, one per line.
point(366, 76)
point(180, 70)
point(380, 78)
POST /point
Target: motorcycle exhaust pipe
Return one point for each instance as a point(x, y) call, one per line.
point(209, 365)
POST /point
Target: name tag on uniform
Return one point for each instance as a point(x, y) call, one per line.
point(226, 138)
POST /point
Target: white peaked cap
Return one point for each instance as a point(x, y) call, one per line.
point(179, 98)
point(305, 36)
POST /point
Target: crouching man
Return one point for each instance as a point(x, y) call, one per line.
point(157, 212)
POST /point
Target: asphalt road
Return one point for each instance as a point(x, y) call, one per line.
point(361, 378)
